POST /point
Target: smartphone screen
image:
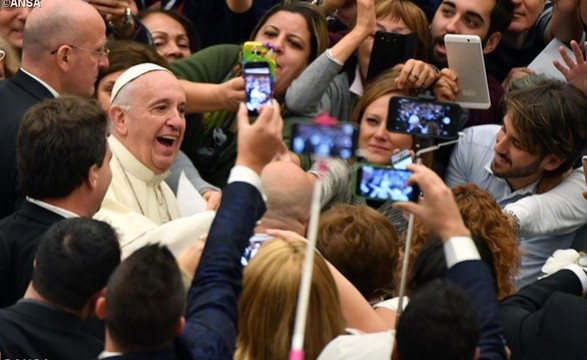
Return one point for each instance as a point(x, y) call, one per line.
point(383, 183)
point(389, 49)
point(258, 88)
point(423, 118)
point(255, 243)
point(323, 140)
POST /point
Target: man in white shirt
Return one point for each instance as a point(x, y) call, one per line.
point(148, 123)
point(542, 136)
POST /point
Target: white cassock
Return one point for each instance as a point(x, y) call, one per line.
point(142, 208)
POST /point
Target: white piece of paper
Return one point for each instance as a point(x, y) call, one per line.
point(189, 199)
point(542, 64)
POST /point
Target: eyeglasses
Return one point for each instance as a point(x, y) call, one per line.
point(2, 54)
point(103, 51)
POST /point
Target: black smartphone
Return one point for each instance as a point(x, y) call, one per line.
point(383, 183)
point(338, 140)
point(424, 118)
point(401, 159)
point(390, 49)
point(258, 85)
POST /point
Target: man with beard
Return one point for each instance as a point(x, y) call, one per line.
point(486, 19)
point(542, 136)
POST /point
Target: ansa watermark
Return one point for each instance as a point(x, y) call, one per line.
point(21, 3)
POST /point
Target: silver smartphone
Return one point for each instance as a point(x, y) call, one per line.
point(465, 57)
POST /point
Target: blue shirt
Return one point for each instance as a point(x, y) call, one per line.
point(470, 163)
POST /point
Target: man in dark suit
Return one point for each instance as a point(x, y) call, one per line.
point(64, 162)
point(63, 49)
point(439, 212)
point(72, 265)
point(546, 319)
point(211, 316)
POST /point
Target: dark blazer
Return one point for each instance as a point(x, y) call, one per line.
point(547, 319)
point(19, 237)
point(475, 279)
point(211, 315)
point(34, 330)
point(17, 95)
point(166, 354)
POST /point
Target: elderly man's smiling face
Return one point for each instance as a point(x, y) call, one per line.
point(151, 127)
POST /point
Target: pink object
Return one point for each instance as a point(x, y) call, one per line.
point(325, 119)
point(296, 354)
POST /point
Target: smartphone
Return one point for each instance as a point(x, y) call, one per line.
point(389, 49)
point(338, 140)
point(465, 57)
point(254, 51)
point(423, 118)
point(255, 243)
point(383, 183)
point(401, 159)
point(258, 86)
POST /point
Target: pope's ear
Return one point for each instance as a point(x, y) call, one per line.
point(118, 120)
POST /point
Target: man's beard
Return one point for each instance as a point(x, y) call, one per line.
point(517, 172)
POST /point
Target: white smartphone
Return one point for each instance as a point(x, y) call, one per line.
point(465, 57)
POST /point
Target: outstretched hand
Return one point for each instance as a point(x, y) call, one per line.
point(261, 141)
point(575, 71)
point(437, 208)
point(446, 87)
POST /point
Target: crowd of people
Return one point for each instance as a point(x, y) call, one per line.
point(110, 108)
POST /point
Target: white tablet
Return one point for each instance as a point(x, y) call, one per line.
point(465, 57)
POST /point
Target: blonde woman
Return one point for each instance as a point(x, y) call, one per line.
point(9, 61)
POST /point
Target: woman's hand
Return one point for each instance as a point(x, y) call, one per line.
point(416, 74)
point(446, 87)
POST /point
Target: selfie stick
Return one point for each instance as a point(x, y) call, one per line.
point(297, 342)
point(403, 279)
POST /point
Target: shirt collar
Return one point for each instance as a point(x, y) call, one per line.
point(527, 190)
point(51, 90)
point(357, 85)
point(132, 165)
point(60, 211)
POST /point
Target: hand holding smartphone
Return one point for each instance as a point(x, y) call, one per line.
point(390, 49)
point(383, 183)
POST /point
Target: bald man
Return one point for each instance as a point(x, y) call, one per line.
point(63, 50)
point(289, 194)
point(148, 123)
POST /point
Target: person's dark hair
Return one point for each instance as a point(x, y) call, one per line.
point(430, 263)
point(501, 16)
point(186, 23)
point(145, 300)
point(439, 323)
point(125, 54)
point(74, 260)
point(362, 244)
point(315, 19)
point(549, 118)
point(58, 141)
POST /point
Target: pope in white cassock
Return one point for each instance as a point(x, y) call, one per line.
point(148, 123)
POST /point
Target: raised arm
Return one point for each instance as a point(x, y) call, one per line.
point(565, 24)
point(211, 314)
point(314, 90)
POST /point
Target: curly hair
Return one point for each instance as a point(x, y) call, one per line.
point(486, 221)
